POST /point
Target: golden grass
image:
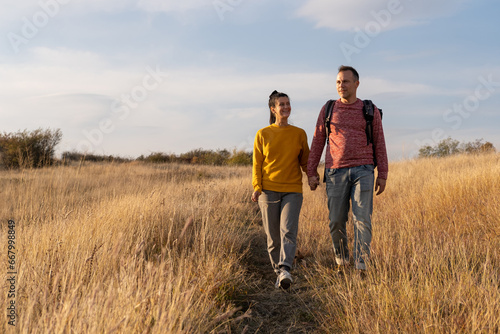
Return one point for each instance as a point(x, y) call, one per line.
point(134, 248)
point(435, 253)
point(102, 249)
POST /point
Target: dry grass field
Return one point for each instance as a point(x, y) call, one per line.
point(136, 248)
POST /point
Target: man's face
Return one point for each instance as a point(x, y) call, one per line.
point(347, 86)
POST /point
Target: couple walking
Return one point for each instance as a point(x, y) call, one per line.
point(281, 153)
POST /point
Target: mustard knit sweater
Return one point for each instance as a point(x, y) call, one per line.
point(279, 153)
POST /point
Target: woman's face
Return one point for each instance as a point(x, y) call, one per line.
point(282, 108)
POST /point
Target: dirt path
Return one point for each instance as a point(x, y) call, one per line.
point(274, 310)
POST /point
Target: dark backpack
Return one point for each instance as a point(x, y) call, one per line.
point(368, 112)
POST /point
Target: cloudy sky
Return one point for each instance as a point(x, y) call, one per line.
point(132, 77)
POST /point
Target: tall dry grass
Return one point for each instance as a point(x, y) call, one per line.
point(126, 248)
point(435, 264)
point(133, 248)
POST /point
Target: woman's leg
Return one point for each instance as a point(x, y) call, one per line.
point(270, 207)
point(291, 203)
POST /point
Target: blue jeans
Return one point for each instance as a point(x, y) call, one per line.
point(280, 217)
point(345, 186)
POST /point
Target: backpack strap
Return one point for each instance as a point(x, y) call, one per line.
point(328, 115)
point(368, 113)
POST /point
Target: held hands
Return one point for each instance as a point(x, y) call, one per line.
point(313, 182)
point(380, 186)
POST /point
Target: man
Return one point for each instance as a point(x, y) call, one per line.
point(350, 161)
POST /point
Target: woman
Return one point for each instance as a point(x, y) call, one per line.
point(280, 152)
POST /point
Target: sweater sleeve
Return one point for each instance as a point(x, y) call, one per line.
point(258, 158)
point(380, 148)
point(317, 145)
point(304, 155)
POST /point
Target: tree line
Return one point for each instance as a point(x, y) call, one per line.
point(33, 149)
point(451, 146)
point(197, 156)
point(29, 148)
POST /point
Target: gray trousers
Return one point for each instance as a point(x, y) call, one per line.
point(280, 217)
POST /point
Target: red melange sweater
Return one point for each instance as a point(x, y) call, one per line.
point(347, 143)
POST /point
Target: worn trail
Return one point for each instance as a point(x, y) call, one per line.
point(274, 310)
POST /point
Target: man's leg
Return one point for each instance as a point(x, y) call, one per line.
point(338, 191)
point(270, 207)
point(362, 208)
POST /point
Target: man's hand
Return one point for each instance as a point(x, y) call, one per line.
point(256, 195)
point(313, 182)
point(380, 186)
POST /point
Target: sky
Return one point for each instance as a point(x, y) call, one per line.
point(135, 77)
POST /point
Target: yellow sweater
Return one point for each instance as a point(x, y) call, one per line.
point(279, 153)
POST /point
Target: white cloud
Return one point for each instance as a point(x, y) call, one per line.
point(61, 71)
point(14, 12)
point(172, 5)
point(66, 82)
point(376, 86)
point(392, 56)
point(72, 90)
point(64, 57)
point(166, 6)
point(13, 9)
point(193, 107)
point(388, 14)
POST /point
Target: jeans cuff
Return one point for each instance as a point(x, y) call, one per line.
point(360, 266)
point(341, 261)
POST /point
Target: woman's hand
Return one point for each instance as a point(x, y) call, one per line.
point(256, 195)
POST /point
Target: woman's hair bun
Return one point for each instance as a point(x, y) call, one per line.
point(273, 93)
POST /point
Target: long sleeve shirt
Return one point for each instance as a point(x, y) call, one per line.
point(347, 143)
point(279, 154)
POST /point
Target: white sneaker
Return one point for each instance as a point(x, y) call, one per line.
point(284, 280)
point(277, 284)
